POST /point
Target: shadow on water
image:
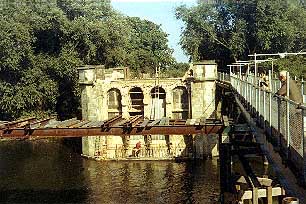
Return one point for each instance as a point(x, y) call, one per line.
point(49, 172)
point(43, 196)
point(40, 172)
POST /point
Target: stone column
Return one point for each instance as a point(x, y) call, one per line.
point(125, 101)
point(203, 101)
point(169, 100)
point(89, 105)
point(147, 100)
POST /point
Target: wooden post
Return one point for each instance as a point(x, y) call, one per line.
point(269, 195)
point(255, 195)
point(225, 162)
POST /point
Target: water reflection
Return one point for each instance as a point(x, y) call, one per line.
point(49, 172)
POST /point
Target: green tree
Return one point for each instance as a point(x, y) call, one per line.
point(42, 44)
point(176, 70)
point(89, 9)
point(148, 46)
point(233, 30)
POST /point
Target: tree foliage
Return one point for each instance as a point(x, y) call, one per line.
point(43, 42)
point(149, 47)
point(233, 30)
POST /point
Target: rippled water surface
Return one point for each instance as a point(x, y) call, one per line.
point(49, 172)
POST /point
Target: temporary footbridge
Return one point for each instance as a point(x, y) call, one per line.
point(136, 125)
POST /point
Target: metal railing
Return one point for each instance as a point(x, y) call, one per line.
point(281, 118)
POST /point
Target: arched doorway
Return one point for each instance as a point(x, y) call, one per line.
point(136, 106)
point(158, 105)
point(114, 105)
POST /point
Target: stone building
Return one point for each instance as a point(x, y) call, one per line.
point(110, 92)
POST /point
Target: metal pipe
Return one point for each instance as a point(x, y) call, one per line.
point(255, 80)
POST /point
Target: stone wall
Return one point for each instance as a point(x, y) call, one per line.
point(97, 105)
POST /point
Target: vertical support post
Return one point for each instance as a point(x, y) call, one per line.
point(272, 68)
point(288, 137)
point(264, 109)
point(252, 94)
point(255, 81)
point(255, 195)
point(230, 74)
point(248, 86)
point(269, 195)
point(279, 141)
point(270, 102)
point(225, 161)
point(240, 80)
point(304, 146)
point(248, 70)
point(247, 93)
point(302, 86)
point(259, 106)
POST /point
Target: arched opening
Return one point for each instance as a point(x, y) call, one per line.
point(180, 103)
point(136, 106)
point(114, 105)
point(158, 106)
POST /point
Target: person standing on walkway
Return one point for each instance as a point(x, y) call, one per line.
point(294, 92)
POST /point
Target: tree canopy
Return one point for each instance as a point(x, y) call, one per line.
point(43, 42)
point(231, 31)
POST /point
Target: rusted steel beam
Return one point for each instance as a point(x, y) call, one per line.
point(153, 123)
point(18, 123)
point(145, 123)
point(136, 119)
point(80, 124)
point(107, 124)
point(37, 123)
point(178, 122)
point(67, 123)
point(120, 131)
point(43, 122)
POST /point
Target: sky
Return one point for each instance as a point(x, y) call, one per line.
point(161, 12)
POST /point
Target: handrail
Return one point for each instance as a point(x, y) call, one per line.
point(282, 119)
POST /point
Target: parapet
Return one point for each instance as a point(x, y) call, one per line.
point(89, 74)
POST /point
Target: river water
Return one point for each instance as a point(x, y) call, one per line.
point(49, 172)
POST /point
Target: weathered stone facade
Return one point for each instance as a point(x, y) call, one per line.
point(110, 92)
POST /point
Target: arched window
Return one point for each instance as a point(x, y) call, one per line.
point(180, 103)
